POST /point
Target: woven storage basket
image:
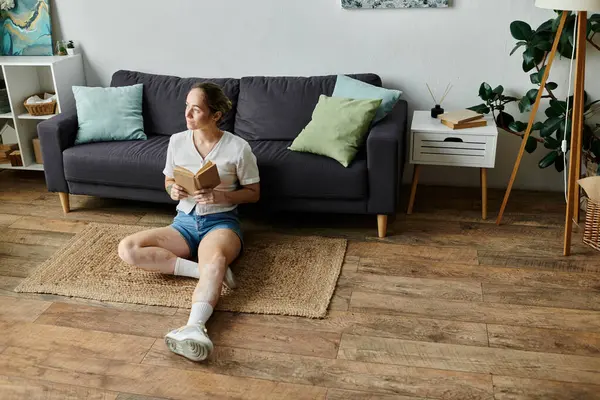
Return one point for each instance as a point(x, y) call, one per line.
point(591, 233)
point(40, 109)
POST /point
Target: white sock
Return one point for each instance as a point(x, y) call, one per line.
point(201, 312)
point(185, 267)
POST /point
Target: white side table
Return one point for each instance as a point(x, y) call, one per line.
point(433, 143)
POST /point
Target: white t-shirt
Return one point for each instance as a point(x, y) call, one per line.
point(234, 159)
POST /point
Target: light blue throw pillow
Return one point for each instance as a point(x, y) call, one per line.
point(109, 114)
point(355, 89)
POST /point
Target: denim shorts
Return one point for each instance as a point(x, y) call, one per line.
point(194, 227)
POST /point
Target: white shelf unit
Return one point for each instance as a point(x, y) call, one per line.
point(28, 75)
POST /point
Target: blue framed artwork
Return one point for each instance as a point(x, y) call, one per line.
point(394, 3)
point(26, 29)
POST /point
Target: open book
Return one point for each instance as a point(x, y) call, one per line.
point(206, 178)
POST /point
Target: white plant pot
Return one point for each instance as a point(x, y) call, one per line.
point(71, 52)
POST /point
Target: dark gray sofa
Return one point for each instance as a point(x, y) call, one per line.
point(269, 112)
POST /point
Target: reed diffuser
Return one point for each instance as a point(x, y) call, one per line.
point(438, 110)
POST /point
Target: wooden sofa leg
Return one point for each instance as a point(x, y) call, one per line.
point(382, 225)
point(64, 202)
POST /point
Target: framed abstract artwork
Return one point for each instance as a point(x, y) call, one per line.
point(26, 29)
point(394, 3)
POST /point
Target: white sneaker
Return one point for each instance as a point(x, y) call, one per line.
point(229, 279)
point(190, 341)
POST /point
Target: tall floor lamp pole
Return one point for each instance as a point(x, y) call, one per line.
point(582, 7)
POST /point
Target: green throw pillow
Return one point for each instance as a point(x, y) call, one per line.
point(108, 114)
point(338, 128)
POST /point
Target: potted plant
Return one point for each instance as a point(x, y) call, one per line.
point(70, 48)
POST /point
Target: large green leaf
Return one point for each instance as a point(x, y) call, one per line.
point(550, 126)
point(537, 126)
point(521, 30)
point(519, 44)
point(517, 126)
point(531, 145)
point(559, 163)
point(552, 85)
point(559, 106)
point(528, 66)
point(551, 143)
point(485, 91)
point(504, 119)
point(532, 95)
point(545, 27)
point(551, 113)
point(529, 56)
point(480, 108)
point(525, 104)
point(548, 160)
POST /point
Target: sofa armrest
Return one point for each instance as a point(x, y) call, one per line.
point(385, 160)
point(57, 134)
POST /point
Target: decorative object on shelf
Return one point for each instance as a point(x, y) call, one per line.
point(394, 3)
point(41, 104)
point(15, 159)
point(591, 232)
point(61, 48)
point(71, 48)
point(37, 151)
point(579, 43)
point(4, 103)
point(5, 150)
point(8, 134)
point(438, 110)
point(26, 28)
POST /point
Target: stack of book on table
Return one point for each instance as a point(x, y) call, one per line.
point(462, 119)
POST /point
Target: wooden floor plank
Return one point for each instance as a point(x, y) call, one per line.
point(49, 225)
point(149, 380)
point(21, 310)
point(399, 251)
point(103, 215)
point(8, 219)
point(76, 342)
point(19, 388)
point(17, 266)
point(512, 388)
point(487, 274)
point(128, 396)
point(582, 260)
point(544, 340)
point(547, 297)
point(340, 374)
point(27, 251)
point(559, 367)
point(34, 238)
point(491, 313)
point(370, 324)
point(414, 287)
point(338, 394)
point(223, 332)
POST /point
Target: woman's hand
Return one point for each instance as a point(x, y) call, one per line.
point(177, 192)
point(210, 196)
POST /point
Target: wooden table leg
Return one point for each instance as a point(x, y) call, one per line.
point(483, 193)
point(413, 190)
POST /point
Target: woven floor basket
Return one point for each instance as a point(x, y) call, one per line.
point(591, 233)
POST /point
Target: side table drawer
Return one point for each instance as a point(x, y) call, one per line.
point(454, 149)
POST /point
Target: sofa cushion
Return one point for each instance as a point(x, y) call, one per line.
point(278, 108)
point(132, 164)
point(286, 173)
point(164, 99)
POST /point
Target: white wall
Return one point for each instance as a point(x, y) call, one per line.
point(465, 44)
